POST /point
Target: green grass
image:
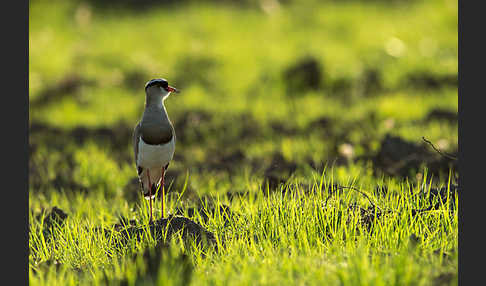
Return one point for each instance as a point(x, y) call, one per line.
point(229, 62)
point(302, 237)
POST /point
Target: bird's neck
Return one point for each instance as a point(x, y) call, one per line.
point(154, 104)
point(155, 112)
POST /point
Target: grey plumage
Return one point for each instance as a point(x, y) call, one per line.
point(155, 129)
point(155, 126)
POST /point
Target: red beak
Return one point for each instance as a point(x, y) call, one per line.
point(172, 89)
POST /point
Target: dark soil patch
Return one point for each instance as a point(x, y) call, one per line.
point(135, 80)
point(367, 215)
point(437, 197)
point(278, 172)
point(189, 230)
point(341, 87)
point(304, 75)
point(427, 80)
point(398, 157)
point(51, 222)
point(443, 192)
point(284, 128)
point(118, 136)
point(322, 123)
point(200, 127)
point(67, 86)
point(250, 129)
point(124, 222)
point(188, 125)
point(371, 82)
point(54, 218)
point(442, 165)
point(338, 160)
point(227, 162)
point(381, 190)
point(206, 212)
point(236, 130)
point(66, 181)
point(442, 115)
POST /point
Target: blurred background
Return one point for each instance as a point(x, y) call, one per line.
point(270, 90)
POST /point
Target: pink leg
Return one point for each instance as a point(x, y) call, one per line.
point(162, 190)
point(150, 194)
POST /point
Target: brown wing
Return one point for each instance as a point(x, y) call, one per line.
point(136, 139)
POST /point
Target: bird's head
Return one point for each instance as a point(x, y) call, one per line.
point(159, 87)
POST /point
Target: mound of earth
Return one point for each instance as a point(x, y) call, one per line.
point(304, 75)
point(165, 228)
point(55, 217)
point(398, 157)
point(207, 211)
point(278, 172)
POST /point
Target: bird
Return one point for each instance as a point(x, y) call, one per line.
point(154, 140)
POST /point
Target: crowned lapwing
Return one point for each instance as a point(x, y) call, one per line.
point(154, 140)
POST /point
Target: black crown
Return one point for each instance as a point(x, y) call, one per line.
point(158, 81)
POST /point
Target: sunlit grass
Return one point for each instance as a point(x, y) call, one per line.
point(230, 61)
point(303, 231)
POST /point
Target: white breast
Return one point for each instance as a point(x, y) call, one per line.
point(155, 156)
